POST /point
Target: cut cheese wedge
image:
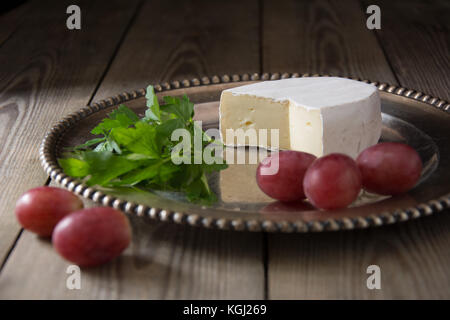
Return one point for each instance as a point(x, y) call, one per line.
point(318, 115)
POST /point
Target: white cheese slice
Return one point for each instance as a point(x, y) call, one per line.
point(319, 115)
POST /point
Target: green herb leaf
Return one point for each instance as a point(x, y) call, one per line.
point(199, 191)
point(136, 153)
point(105, 166)
point(181, 108)
point(74, 167)
point(134, 177)
point(140, 139)
point(124, 111)
point(164, 132)
point(122, 117)
point(153, 112)
point(89, 143)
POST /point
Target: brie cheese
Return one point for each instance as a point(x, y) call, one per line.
point(318, 115)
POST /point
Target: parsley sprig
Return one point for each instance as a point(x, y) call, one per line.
point(133, 151)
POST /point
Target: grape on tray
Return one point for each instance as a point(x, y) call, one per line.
point(286, 183)
point(389, 168)
point(332, 182)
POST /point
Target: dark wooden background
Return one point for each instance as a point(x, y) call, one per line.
point(47, 71)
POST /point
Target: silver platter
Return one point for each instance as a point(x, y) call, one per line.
point(411, 117)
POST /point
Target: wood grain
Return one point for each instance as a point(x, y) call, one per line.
point(164, 260)
point(412, 256)
point(11, 20)
point(58, 71)
point(325, 37)
point(203, 38)
point(47, 71)
point(415, 37)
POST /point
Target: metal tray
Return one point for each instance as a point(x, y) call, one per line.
point(411, 117)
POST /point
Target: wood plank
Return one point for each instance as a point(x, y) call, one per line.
point(412, 256)
point(203, 39)
point(413, 259)
point(325, 37)
point(11, 19)
point(415, 37)
point(164, 260)
point(47, 71)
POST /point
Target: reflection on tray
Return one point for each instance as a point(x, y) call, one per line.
point(238, 190)
point(238, 181)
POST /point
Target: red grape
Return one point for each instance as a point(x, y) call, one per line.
point(389, 168)
point(92, 236)
point(332, 182)
point(41, 208)
point(286, 183)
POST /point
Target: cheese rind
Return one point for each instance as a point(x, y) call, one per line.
point(319, 115)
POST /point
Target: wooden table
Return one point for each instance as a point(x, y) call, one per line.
point(47, 71)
